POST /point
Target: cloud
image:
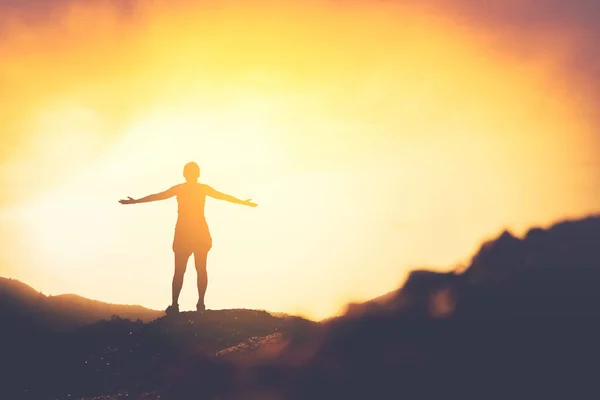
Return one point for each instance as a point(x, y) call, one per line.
point(568, 31)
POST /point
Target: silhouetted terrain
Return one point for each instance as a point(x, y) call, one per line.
point(521, 322)
point(63, 312)
point(122, 354)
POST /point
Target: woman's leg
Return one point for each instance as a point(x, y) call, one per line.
point(200, 261)
point(181, 260)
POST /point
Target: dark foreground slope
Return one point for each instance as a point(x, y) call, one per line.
point(120, 354)
point(521, 322)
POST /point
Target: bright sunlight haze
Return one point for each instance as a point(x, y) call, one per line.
point(375, 139)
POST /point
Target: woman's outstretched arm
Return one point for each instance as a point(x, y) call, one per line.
point(153, 197)
point(215, 194)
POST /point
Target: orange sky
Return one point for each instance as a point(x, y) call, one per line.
point(375, 138)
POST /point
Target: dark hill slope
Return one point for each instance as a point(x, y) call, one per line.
point(122, 354)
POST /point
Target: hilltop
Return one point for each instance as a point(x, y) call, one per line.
point(118, 353)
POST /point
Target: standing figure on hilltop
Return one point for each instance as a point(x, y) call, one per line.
point(191, 231)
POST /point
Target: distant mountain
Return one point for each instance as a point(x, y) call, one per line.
point(63, 312)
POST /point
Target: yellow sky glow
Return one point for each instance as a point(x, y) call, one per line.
point(374, 139)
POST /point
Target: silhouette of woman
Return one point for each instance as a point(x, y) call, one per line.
point(191, 231)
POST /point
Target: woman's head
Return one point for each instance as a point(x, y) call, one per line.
point(191, 172)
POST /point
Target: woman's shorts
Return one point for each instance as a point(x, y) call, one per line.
point(192, 241)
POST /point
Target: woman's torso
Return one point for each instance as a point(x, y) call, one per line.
point(191, 198)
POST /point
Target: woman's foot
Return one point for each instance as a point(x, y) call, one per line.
point(200, 307)
point(172, 309)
